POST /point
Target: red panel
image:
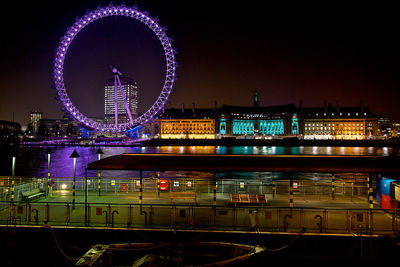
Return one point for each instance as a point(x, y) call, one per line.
point(386, 202)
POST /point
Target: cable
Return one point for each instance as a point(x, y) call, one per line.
point(58, 245)
point(285, 246)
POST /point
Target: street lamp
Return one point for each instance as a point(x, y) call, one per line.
point(49, 152)
point(99, 152)
point(13, 175)
point(74, 155)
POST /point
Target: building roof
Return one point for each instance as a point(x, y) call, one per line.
point(176, 113)
point(290, 108)
point(123, 79)
point(246, 163)
point(354, 111)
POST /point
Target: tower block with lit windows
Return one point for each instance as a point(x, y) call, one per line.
point(120, 106)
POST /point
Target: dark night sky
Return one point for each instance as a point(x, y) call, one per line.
point(346, 53)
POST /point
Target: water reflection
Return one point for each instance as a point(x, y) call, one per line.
point(33, 161)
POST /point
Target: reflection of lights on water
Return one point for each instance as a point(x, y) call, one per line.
point(264, 149)
point(343, 150)
point(370, 150)
point(273, 150)
point(181, 149)
point(301, 150)
point(385, 151)
point(315, 150)
point(329, 150)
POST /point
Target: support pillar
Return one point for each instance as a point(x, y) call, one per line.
point(273, 185)
point(141, 189)
point(370, 191)
point(215, 193)
point(291, 192)
point(333, 186)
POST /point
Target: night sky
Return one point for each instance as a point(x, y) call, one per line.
point(226, 50)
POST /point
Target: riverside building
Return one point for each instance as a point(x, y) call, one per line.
point(186, 123)
point(347, 123)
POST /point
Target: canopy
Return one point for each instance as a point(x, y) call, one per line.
point(244, 163)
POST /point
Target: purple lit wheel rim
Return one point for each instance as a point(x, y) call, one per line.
point(80, 24)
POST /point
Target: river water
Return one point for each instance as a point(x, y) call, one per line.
point(32, 161)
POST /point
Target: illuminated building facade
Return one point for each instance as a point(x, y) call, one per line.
point(187, 124)
point(257, 121)
point(130, 90)
point(34, 118)
point(268, 122)
point(347, 123)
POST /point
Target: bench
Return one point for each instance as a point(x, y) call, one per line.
point(32, 194)
point(182, 195)
point(248, 199)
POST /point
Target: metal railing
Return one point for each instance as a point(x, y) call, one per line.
point(306, 189)
point(230, 218)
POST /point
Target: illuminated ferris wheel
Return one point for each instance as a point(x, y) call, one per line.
point(81, 23)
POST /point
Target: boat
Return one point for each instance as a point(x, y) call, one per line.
point(199, 254)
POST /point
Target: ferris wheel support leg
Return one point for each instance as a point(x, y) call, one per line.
point(126, 102)
point(115, 102)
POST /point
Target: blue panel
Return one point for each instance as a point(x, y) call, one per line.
point(386, 186)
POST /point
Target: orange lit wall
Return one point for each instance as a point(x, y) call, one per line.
point(188, 129)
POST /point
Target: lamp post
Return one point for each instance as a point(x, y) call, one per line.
point(49, 188)
point(13, 177)
point(99, 152)
point(74, 155)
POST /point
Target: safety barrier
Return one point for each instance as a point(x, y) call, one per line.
point(273, 219)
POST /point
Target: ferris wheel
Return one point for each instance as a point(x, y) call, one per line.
point(73, 31)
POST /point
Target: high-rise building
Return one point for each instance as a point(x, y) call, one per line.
point(34, 118)
point(130, 90)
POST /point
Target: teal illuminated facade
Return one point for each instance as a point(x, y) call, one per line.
point(222, 125)
point(243, 127)
point(295, 124)
point(272, 127)
point(257, 121)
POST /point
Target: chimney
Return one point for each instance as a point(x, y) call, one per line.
point(183, 108)
point(193, 107)
point(337, 106)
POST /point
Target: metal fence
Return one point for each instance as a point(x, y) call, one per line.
point(250, 218)
point(306, 189)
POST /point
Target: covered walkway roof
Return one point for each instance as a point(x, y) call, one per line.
point(245, 163)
